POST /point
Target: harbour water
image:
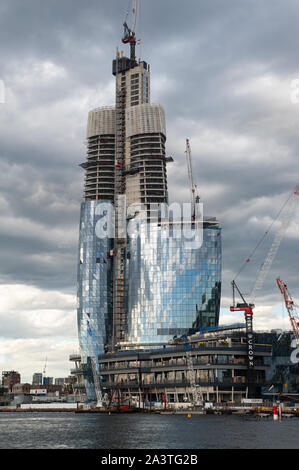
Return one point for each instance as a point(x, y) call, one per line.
point(40, 430)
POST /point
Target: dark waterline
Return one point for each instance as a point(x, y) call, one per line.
point(93, 431)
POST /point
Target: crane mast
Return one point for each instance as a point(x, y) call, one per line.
point(292, 311)
point(44, 371)
point(193, 187)
point(247, 308)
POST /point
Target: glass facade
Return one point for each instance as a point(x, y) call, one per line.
point(94, 289)
point(172, 289)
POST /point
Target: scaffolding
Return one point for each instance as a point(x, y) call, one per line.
point(119, 252)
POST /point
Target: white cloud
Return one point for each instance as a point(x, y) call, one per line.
point(28, 356)
point(36, 323)
point(25, 228)
point(268, 88)
point(27, 311)
point(37, 73)
point(265, 318)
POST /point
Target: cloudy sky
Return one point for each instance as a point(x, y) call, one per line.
point(223, 70)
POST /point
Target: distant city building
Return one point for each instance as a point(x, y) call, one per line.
point(48, 381)
point(37, 378)
point(60, 381)
point(10, 378)
point(21, 388)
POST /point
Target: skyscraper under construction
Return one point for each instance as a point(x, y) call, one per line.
point(137, 288)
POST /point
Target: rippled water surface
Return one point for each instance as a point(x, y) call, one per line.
point(134, 431)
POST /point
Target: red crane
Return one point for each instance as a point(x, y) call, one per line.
point(129, 32)
point(246, 307)
point(292, 311)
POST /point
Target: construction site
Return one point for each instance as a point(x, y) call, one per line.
point(228, 364)
point(171, 353)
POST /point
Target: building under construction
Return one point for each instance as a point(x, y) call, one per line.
point(139, 284)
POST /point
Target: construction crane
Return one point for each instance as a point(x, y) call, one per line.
point(246, 307)
point(285, 222)
point(292, 311)
point(44, 371)
point(196, 394)
point(265, 267)
point(129, 33)
point(193, 188)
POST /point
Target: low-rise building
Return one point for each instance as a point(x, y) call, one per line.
point(45, 389)
point(10, 378)
point(37, 378)
point(60, 381)
point(219, 367)
point(24, 388)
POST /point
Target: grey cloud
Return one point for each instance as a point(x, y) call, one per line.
point(205, 50)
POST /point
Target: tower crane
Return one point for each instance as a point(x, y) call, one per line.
point(196, 393)
point(292, 311)
point(44, 369)
point(265, 267)
point(246, 307)
point(286, 220)
point(129, 36)
point(194, 195)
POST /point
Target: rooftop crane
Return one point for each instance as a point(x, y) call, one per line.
point(194, 195)
point(292, 311)
point(129, 33)
point(246, 307)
